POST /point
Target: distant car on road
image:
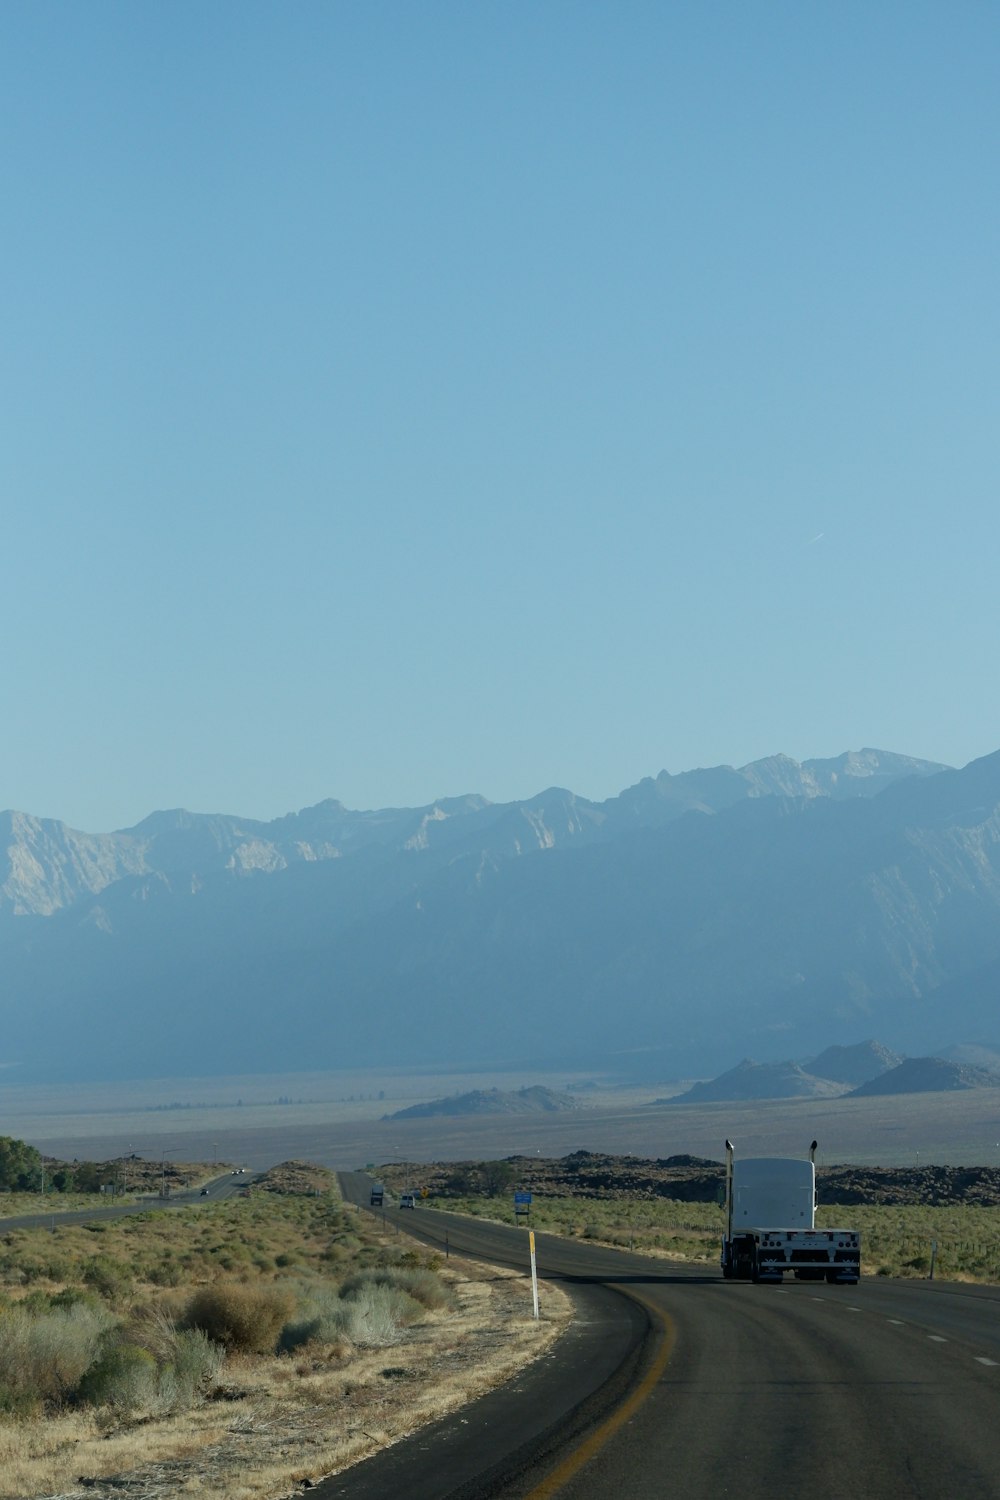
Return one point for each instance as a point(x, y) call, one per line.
point(408, 1200)
point(204, 1192)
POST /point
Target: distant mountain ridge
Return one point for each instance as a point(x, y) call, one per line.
point(45, 866)
point(768, 911)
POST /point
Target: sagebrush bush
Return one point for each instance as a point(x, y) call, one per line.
point(320, 1317)
point(241, 1316)
point(422, 1285)
point(151, 1366)
point(44, 1355)
point(125, 1376)
point(196, 1363)
point(110, 1277)
point(376, 1309)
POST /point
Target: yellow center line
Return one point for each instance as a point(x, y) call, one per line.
point(593, 1444)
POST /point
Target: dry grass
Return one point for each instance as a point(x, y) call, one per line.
point(280, 1421)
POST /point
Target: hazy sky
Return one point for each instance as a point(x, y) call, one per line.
point(406, 399)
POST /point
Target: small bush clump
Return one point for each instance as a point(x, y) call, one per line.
point(107, 1276)
point(375, 1314)
point(241, 1316)
point(125, 1377)
point(320, 1318)
point(422, 1285)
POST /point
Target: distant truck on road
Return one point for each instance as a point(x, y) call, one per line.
point(771, 1224)
point(378, 1195)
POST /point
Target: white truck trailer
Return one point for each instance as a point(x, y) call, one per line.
point(771, 1224)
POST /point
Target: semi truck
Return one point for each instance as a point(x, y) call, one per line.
point(771, 1224)
point(377, 1195)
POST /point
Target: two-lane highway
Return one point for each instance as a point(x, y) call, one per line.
point(880, 1391)
point(222, 1186)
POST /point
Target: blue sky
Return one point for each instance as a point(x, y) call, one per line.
point(402, 400)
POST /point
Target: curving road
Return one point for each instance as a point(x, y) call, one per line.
point(675, 1382)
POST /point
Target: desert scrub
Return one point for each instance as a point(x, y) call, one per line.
point(72, 1297)
point(895, 1241)
point(240, 1316)
point(44, 1354)
point(376, 1312)
point(132, 1379)
point(185, 1246)
point(422, 1284)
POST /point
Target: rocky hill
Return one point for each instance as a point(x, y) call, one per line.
point(752, 1080)
point(923, 1075)
point(534, 1100)
point(829, 1075)
point(854, 1065)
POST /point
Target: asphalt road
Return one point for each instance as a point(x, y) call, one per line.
point(222, 1186)
point(675, 1382)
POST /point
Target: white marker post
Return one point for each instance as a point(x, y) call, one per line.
point(534, 1272)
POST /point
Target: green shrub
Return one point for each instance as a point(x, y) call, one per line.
point(107, 1276)
point(196, 1363)
point(77, 1296)
point(15, 1402)
point(186, 1360)
point(125, 1377)
point(168, 1272)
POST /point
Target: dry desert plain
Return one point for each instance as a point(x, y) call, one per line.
point(337, 1119)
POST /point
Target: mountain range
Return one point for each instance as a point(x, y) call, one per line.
point(865, 1069)
point(775, 909)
